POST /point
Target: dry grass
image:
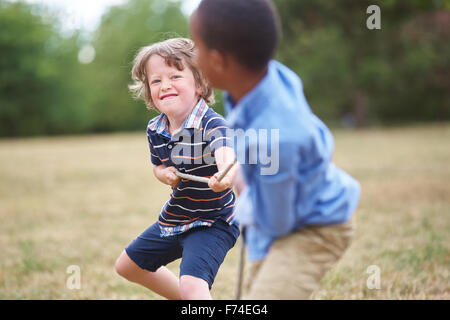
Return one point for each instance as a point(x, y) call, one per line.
point(80, 200)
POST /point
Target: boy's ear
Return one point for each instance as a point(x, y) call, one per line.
point(218, 61)
point(198, 90)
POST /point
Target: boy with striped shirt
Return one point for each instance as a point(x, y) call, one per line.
point(192, 203)
point(196, 223)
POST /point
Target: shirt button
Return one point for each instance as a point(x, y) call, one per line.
point(169, 146)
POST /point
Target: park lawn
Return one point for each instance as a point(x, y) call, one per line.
point(79, 200)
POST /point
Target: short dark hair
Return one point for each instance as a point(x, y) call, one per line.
point(249, 30)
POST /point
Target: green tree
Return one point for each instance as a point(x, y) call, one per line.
point(390, 75)
point(38, 94)
point(44, 89)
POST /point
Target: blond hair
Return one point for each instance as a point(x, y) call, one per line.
point(176, 52)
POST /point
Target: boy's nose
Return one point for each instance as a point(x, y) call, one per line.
point(165, 85)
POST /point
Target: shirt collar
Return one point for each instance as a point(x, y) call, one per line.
point(160, 124)
point(194, 119)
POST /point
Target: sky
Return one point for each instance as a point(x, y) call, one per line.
point(86, 14)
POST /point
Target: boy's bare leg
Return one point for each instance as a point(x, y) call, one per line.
point(162, 281)
point(193, 288)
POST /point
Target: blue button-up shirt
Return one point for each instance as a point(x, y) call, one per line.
point(307, 188)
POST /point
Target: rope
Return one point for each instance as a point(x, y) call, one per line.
point(203, 179)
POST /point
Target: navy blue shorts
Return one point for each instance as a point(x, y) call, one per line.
point(202, 249)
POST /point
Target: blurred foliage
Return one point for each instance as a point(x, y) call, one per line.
point(358, 76)
point(35, 62)
point(352, 75)
point(44, 89)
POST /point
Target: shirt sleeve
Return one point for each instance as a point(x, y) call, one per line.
point(153, 156)
point(244, 208)
point(217, 133)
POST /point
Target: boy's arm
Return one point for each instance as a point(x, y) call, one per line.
point(166, 175)
point(224, 156)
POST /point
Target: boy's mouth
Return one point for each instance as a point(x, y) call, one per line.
point(168, 96)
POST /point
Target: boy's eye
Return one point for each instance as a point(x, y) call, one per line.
point(175, 76)
point(154, 81)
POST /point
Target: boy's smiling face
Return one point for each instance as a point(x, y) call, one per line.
point(173, 92)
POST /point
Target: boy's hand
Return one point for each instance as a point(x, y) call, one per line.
point(167, 175)
point(217, 186)
point(224, 157)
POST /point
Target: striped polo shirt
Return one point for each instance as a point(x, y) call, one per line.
point(191, 150)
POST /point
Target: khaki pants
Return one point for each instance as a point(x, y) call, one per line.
point(297, 262)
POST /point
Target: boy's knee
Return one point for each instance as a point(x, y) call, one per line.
point(120, 270)
point(122, 266)
point(193, 288)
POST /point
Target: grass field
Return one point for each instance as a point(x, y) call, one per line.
point(80, 200)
